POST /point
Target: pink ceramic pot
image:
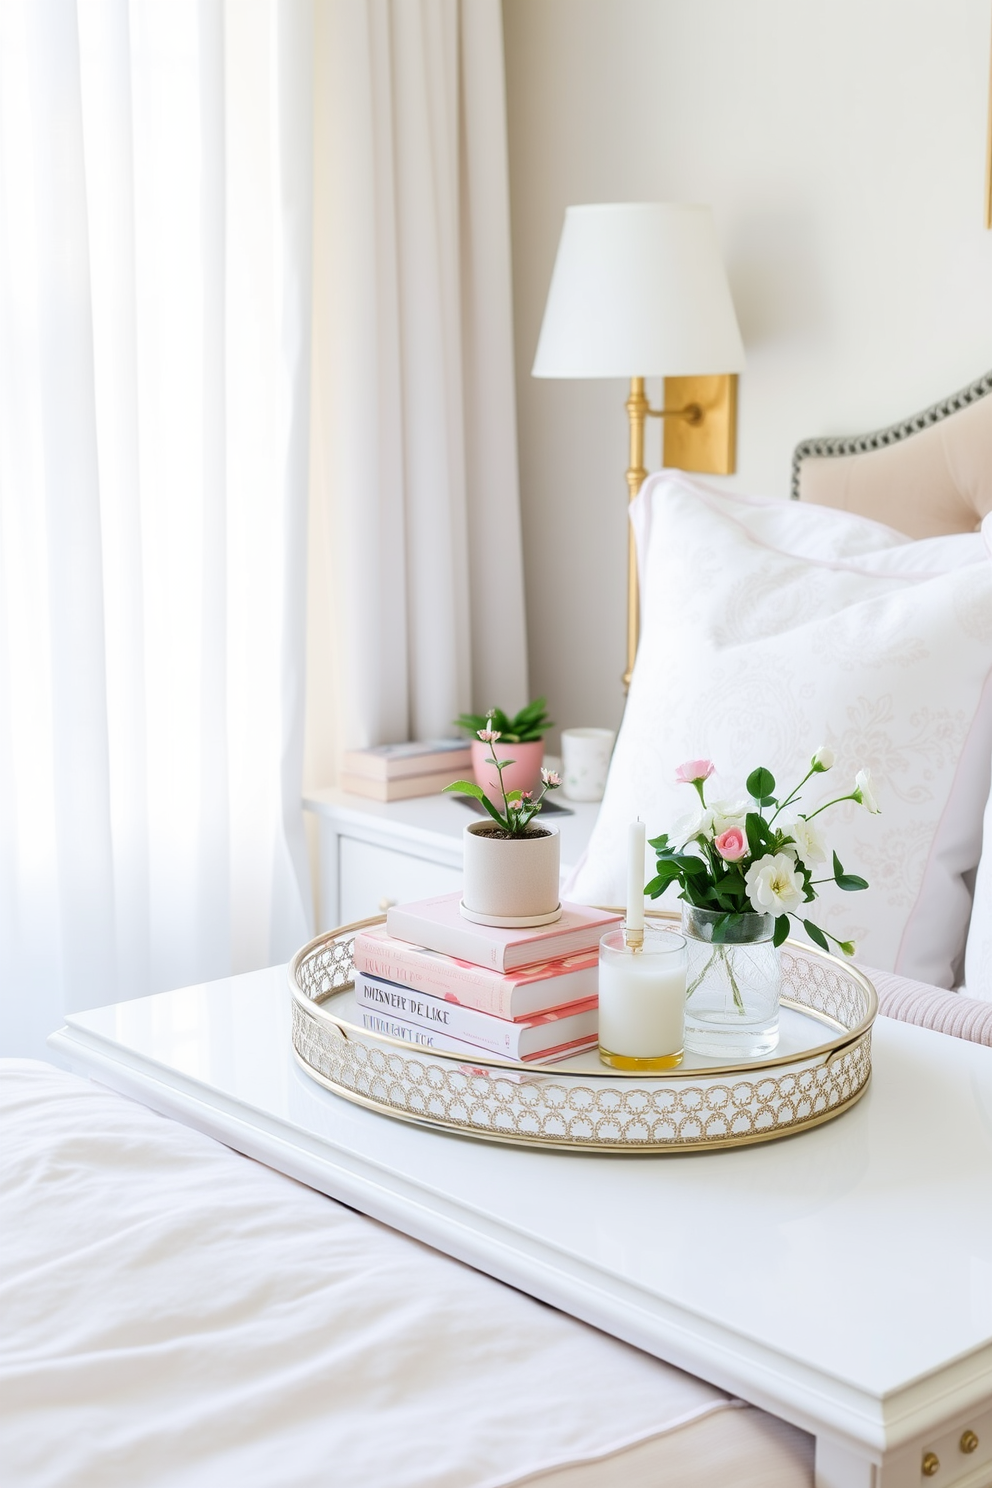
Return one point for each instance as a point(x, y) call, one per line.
point(524, 774)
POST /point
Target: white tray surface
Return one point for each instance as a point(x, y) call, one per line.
point(798, 1032)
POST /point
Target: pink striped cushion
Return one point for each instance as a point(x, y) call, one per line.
point(932, 1007)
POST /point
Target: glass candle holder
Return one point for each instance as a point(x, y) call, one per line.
point(642, 1000)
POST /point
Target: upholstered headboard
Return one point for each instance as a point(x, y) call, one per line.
point(929, 475)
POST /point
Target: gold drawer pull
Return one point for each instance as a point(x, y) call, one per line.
point(969, 1442)
point(931, 1464)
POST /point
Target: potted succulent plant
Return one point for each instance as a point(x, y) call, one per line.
point(512, 862)
point(525, 732)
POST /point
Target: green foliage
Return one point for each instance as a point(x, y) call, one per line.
point(816, 935)
point(759, 835)
point(760, 785)
point(469, 788)
point(526, 727)
point(850, 882)
point(720, 928)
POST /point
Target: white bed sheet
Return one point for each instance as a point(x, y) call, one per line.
point(173, 1313)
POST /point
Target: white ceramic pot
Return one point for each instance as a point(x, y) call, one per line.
point(511, 880)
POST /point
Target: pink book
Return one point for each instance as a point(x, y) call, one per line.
point(438, 924)
point(520, 994)
point(398, 761)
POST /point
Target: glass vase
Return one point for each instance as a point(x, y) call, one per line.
point(733, 984)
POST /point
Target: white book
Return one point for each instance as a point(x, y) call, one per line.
point(423, 1038)
point(572, 1027)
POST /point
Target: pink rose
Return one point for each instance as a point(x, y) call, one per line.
point(693, 771)
point(731, 844)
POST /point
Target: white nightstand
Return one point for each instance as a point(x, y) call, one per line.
point(372, 855)
point(838, 1278)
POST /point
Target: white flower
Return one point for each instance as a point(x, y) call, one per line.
point(699, 824)
point(489, 736)
point(864, 793)
point(727, 814)
point(823, 759)
point(551, 778)
point(809, 845)
point(773, 885)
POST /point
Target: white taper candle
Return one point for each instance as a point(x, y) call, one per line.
point(635, 876)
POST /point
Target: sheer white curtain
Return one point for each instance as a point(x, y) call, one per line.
point(416, 588)
point(155, 287)
point(186, 187)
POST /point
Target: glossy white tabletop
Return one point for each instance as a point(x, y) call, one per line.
point(850, 1265)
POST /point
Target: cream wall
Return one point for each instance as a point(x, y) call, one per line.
point(841, 144)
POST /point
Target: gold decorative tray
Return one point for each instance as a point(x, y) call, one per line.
point(822, 1067)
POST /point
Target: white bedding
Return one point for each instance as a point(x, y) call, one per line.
point(173, 1313)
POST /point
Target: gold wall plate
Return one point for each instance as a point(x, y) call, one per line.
point(708, 447)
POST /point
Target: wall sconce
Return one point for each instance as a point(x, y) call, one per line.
point(639, 290)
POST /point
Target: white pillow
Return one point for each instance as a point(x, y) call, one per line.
point(770, 628)
point(978, 956)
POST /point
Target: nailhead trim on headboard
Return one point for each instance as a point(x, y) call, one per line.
point(857, 444)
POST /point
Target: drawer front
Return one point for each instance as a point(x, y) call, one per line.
point(371, 878)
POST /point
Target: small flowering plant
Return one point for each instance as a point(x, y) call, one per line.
point(757, 856)
point(519, 807)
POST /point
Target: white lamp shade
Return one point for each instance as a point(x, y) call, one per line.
point(638, 290)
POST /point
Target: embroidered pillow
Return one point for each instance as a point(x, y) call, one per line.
point(770, 628)
point(978, 957)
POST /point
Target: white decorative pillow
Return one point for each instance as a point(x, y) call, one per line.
point(978, 956)
point(770, 628)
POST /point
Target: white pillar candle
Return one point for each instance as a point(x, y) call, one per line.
point(635, 876)
point(642, 1000)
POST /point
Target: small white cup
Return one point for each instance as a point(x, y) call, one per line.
point(585, 754)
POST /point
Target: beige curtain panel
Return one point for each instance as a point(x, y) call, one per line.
point(416, 581)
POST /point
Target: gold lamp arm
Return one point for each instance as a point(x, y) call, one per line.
point(710, 450)
point(639, 409)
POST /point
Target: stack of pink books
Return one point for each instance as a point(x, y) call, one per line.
point(395, 772)
point(433, 978)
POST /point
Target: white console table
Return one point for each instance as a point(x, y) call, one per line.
point(841, 1279)
point(372, 854)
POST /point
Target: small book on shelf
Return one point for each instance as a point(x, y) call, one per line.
point(438, 924)
point(400, 761)
point(528, 1038)
point(517, 994)
point(402, 789)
